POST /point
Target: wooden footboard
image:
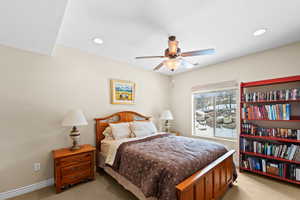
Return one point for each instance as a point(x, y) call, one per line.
point(209, 183)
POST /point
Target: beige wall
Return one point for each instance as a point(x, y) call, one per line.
point(284, 61)
point(36, 91)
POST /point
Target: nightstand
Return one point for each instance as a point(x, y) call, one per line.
point(72, 167)
point(176, 133)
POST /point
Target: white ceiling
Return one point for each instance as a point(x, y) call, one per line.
point(31, 24)
point(132, 28)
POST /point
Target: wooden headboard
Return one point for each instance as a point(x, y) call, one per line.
point(124, 116)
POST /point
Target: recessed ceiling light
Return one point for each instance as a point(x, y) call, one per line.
point(260, 32)
point(98, 41)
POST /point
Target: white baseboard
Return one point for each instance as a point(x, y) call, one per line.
point(26, 189)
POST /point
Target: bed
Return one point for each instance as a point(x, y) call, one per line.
point(198, 182)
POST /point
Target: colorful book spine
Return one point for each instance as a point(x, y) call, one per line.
point(267, 112)
point(275, 95)
point(251, 129)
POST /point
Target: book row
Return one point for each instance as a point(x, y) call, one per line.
point(285, 151)
point(285, 94)
point(251, 129)
point(267, 112)
point(284, 170)
point(293, 172)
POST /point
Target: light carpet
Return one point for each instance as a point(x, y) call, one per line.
point(248, 187)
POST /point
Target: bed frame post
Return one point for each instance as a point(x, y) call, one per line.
point(209, 183)
point(98, 145)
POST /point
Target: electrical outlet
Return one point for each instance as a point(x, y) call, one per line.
point(36, 166)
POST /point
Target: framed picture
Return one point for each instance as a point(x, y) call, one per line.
point(122, 92)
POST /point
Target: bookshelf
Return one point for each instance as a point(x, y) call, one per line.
point(270, 128)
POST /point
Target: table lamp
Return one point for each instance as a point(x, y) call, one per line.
point(167, 115)
point(75, 118)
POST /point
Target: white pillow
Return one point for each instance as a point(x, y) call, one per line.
point(144, 128)
point(108, 134)
point(120, 130)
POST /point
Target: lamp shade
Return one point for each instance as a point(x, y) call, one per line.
point(166, 115)
point(74, 118)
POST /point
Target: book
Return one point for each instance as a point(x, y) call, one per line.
point(252, 129)
point(284, 111)
point(264, 167)
point(267, 112)
point(271, 167)
point(293, 172)
point(297, 174)
point(293, 151)
point(288, 112)
point(284, 94)
point(285, 151)
point(297, 155)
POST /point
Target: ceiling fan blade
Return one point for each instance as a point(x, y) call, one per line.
point(144, 57)
point(186, 64)
point(158, 66)
point(198, 53)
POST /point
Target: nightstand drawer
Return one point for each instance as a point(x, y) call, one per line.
point(72, 167)
point(77, 159)
point(76, 177)
point(75, 168)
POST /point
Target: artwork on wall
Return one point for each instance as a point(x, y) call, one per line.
point(122, 92)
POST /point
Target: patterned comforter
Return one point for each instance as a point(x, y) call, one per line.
point(158, 163)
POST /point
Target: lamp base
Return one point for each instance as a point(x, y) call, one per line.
point(167, 126)
point(75, 136)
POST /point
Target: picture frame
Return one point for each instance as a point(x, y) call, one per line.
point(122, 92)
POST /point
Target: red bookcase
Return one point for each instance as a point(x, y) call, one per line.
point(263, 159)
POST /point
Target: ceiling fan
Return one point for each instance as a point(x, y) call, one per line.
point(175, 56)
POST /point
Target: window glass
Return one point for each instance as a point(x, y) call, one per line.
point(215, 113)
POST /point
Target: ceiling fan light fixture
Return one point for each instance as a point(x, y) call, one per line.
point(172, 64)
point(173, 45)
point(174, 56)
